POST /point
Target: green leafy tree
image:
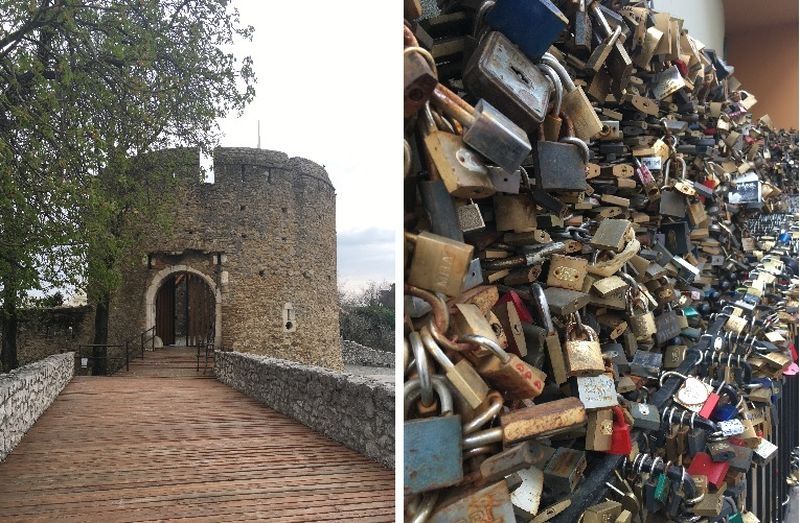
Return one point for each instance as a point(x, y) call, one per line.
point(87, 87)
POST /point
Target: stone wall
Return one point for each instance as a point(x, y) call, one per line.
point(47, 331)
point(264, 236)
point(26, 392)
point(353, 410)
point(356, 354)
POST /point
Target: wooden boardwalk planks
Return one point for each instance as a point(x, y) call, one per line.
point(156, 449)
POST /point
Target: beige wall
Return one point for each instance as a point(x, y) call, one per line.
point(704, 19)
point(765, 59)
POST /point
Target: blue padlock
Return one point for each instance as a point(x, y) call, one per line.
point(431, 446)
point(533, 25)
point(724, 413)
point(785, 238)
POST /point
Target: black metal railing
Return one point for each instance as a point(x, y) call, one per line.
point(101, 359)
point(767, 487)
point(205, 348)
point(104, 359)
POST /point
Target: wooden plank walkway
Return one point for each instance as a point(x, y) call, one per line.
point(161, 449)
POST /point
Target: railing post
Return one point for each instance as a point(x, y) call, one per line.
point(153, 338)
point(127, 358)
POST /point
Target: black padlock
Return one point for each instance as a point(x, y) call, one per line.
point(696, 441)
point(720, 451)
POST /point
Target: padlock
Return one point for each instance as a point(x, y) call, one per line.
point(501, 74)
point(672, 202)
point(611, 235)
point(551, 126)
point(461, 375)
point(439, 264)
point(533, 26)
point(567, 272)
point(544, 420)
point(487, 130)
point(564, 470)
point(560, 166)
point(621, 434)
point(674, 355)
point(645, 416)
point(703, 465)
point(461, 170)
point(419, 79)
point(640, 319)
point(506, 372)
point(668, 328)
point(525, 455)
point(575, 104)
point(596, 392)
point(599, 429)
point(552, 340)
point(619, 63)
point(582, 29)
point(583, 356)
point(432, 446)
point(528, 495)
point(492, 503)
point(605, 512)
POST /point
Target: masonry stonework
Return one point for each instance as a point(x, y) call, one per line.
point(356, 411)
point(26, 392)
point(263, 237)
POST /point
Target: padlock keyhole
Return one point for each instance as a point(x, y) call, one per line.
point(520, 75)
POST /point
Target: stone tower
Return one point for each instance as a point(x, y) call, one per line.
point(261, 244)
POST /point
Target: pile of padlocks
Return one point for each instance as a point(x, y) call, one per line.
point(599, 313)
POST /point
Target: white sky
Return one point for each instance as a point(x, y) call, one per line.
point(322, 94)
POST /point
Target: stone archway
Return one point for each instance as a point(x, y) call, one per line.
point(159, 278)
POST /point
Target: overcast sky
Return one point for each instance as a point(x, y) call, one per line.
point(321, 94)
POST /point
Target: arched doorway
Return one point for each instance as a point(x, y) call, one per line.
point(184, 310)
point(184, 305)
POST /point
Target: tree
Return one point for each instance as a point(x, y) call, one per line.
point(86, 87)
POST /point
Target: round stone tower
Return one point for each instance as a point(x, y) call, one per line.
point(250, 258)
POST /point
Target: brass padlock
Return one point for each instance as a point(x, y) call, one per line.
point(640, 318)
point(461, 375)
point(575, 104)
point(567, 272)
point(506, 372)
point(439, 264)
point(605, 512)
point(599, 428)
point(584, 357)
point(552, 121)
point(461, 169)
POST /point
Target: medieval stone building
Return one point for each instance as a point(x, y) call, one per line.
point(249, 261)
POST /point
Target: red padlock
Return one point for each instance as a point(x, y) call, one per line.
point(522, 311)
point(620, 434)
point(711, 403)
point(703, 465)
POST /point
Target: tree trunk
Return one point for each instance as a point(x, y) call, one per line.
point(100, 335)
point(8, 324)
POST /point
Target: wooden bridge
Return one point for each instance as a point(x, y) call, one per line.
point(149, 446)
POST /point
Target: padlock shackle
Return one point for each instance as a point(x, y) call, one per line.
point(453, 105)
point(566, 81)
point(542, 308)
point(423, 371)
point(412, 390)
point(433, 348)
point(491, 407)
point(482, 438)
point(558, 87)
point(488, 344)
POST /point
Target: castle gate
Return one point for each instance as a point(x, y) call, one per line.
point(184, 306)
point(184, 310)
